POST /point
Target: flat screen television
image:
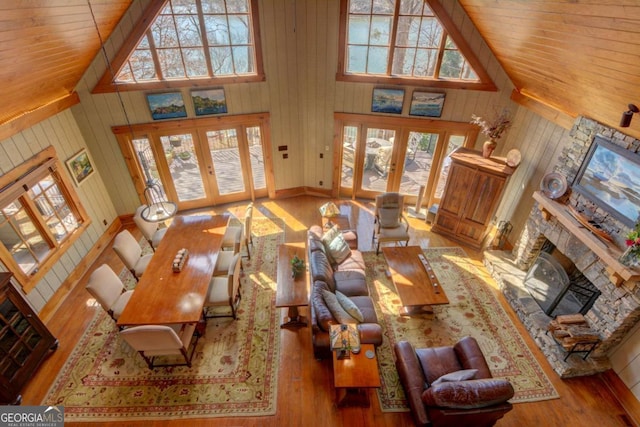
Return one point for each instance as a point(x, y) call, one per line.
point(610, 178)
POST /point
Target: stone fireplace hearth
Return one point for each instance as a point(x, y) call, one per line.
point(616, 310)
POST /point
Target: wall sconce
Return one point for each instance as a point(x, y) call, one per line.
point(625, 120)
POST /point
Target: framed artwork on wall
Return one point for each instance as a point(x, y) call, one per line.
point(168, 105)
point(80, 166)
point(387, 101)
point(209, 101)
point(427, 104)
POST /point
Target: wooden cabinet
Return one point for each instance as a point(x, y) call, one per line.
point(24, 341)
point(472, 193)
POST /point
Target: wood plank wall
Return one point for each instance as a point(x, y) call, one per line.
point(300, 57)
point(62, 132)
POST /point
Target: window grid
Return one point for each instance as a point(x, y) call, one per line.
point(417, 46)
point(194, 39)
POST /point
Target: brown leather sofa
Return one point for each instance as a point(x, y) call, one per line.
point(347, 277)
point(453, 401)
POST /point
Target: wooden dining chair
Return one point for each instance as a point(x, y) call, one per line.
point(153, 341)
point(106, 287)
point(150, 230)
point(225, 290)
point(130, 252)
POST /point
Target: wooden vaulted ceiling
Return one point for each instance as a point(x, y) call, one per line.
point(581, 57)
point(45, 48)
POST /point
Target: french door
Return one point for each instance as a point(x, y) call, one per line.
point(206, 164)
point(404, 155)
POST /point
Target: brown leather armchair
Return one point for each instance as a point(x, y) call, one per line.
point(438, 391)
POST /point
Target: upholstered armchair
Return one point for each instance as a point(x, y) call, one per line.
point(107, 289)
point(153, 341)
point(149, 230)
point(390, 225)
point(130, 252)
point(452, 385)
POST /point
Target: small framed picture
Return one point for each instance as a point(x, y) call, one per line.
point(169, 105)
point(387, 101)
point(80, 166)
point(427, 104)
point(209, 101)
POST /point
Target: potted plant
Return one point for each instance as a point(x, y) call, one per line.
point(297, 267)
point(493, 129)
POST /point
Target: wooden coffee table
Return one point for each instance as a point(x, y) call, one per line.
point(417, 286)
point(292, 293)
point(353, 376)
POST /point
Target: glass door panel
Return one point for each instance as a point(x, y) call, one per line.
point(225, 155)
point(347, 173)
point(418, 159)
point(378, 162)
point(183, 165)
point(256, 155)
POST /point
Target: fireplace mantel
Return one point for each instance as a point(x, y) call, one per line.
point(607, 252)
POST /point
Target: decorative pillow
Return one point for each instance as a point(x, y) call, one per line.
point(388, 217)
point(349, 306)
point(468, 394)
point(462, 375)
point(337, 248)
point(336, 309)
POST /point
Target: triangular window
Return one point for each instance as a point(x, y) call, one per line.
point(187, 40)
point(406, 42)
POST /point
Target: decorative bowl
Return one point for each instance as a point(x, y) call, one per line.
point(553, 185)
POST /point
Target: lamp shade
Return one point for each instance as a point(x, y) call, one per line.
point(158, 208)
point(329, 209)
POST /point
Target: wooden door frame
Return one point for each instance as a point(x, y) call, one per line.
point(402, 125)
point(126, 133)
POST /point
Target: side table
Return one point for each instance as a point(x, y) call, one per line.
point(352, 377)
point(292, 292)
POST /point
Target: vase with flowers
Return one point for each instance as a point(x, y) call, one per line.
point(631, 256)
point(493, 129)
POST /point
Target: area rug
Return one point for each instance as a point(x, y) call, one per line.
point(234, 371)
point(473, 311)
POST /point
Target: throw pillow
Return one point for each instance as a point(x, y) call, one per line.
point(462, 375)
point(349, 306)
point(336, 246)
point(388, 217)
point(336, 309)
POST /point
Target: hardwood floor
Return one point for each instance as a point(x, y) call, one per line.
point(305, 388)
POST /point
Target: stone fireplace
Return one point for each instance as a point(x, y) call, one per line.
point(617, 309)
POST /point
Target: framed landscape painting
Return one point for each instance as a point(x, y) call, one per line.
point(426, 104)
point(209, 101)
point(80, 167)
point(166, 105)
point(387, 101)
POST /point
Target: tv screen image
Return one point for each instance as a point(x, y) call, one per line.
point(610, 177)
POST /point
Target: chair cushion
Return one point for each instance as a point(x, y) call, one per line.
point(462, 375)
point(468, 394)
point(120, 304)
point(336, 309)
point(354, 262)
point(321, 269)
point(349, 307)
point(141, 265)
point(350, 282)
point(324, 318)
point(365, 305)
point(157, 236)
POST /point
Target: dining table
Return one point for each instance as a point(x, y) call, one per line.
point(167, 297)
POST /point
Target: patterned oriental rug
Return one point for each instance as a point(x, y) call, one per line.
point(234, 371)
point(473, 310)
